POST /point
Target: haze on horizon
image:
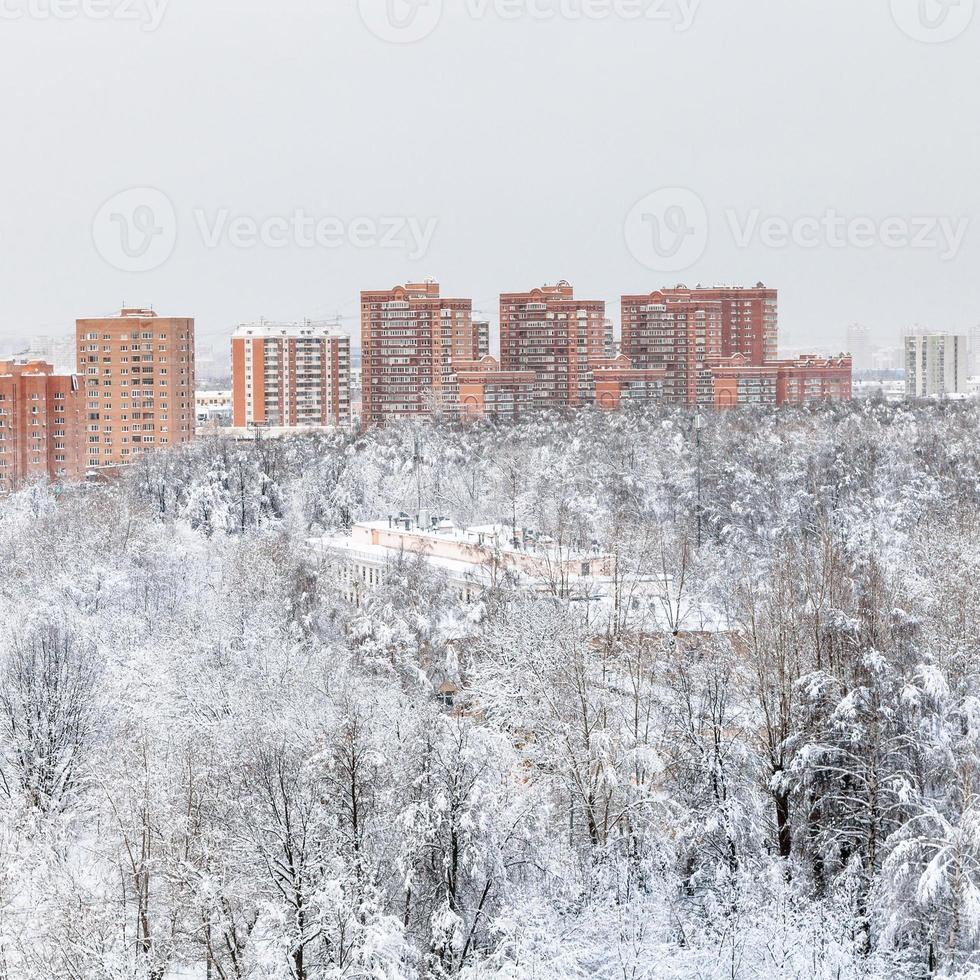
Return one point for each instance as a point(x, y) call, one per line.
point(510, 144)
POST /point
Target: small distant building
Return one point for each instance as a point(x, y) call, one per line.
point(60, 352)
point(206, 364)
point(356, 394)
point(610, 348)
point(936, 365)
point(290, 376)
point(888, 360)
point(860, 345)
point(42, 424)
point(974, 343)
point(481, 338)
point(214, 409)
point(887, 389)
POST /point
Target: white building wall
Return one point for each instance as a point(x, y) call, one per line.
point(936, 365)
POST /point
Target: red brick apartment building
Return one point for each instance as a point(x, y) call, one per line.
point(749, 320)
point(792, 382)
point(138, 370)
point(677, 331)
point(290, 376)
point(550, 333)
point(718, 348)
point(813, 378)
point(41, 425)
point(692, 347)
point(487, 391)
point(617, 383)
point(739, 383)
point(410, 337)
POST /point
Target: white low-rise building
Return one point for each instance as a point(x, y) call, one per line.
point(475, 558)
point(478, 559)
point(213, 409)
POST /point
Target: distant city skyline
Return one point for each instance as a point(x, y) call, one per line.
point(215, 348)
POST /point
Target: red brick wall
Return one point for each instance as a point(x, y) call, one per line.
point(41, 425)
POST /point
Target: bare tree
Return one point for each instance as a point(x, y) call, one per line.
point(49, 709)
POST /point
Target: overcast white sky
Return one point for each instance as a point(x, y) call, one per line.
point(527, 139)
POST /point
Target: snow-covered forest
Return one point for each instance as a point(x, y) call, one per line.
point(212, 765)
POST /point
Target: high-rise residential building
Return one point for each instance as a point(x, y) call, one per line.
point(888, 360)
point(355, 395)
point(410, 337)
point(481, 338)
point(749, 319)
point(207, 366)
point(138, 370)
point(679, 331)
point(936, 365)
point(290, 375)
point(550, 333)
point(974, 342)
point(42, 424)
point(609, 346)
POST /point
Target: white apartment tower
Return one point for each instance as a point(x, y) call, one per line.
point(936, 365)
point(290, 376)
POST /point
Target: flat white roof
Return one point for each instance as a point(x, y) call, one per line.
point(596, 594)
point(462, 571)
point(292, 330)
point(500, 535)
